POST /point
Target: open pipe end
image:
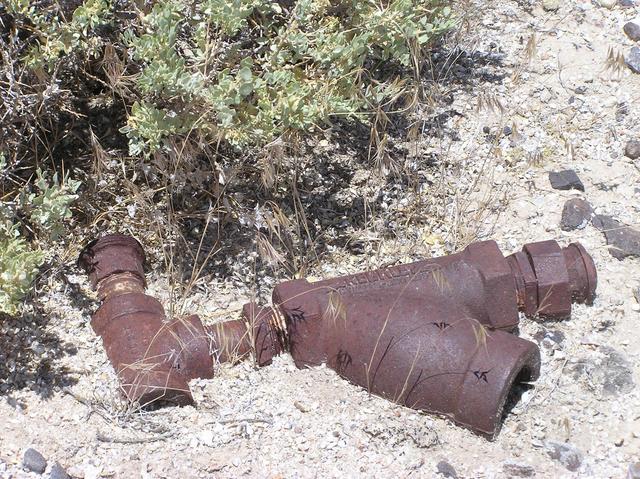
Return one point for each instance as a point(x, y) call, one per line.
point(495, 372)
point(110, 255)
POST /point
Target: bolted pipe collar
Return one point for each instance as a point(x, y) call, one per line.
point(549, 278)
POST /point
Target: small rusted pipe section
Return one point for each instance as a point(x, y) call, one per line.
point(432, 335)
point(154, 357)
point(549, 278)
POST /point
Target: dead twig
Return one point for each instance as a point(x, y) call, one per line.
point(102, 437)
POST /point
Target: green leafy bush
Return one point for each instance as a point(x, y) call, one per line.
point(247, 71)
point(149, 75)
point(46, 210)
point(241, 71)
point(60, 37)
point(18, 266)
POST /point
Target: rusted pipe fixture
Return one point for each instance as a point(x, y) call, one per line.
point(549, 278)
point(154, 357)
point(430, 335)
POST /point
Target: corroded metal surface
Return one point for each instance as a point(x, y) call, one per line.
point(431, 335)
point(112, 254)
point(549, 278)
point(154, 357)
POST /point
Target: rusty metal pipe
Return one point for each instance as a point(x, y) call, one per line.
point(154, 357)
point(431, 335)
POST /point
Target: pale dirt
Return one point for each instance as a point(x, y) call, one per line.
point(282, 422)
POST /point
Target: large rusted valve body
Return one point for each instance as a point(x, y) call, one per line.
point(430, 335)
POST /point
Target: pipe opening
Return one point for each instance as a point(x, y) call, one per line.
point(519, 386)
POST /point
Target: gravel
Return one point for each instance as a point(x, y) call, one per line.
point(633, 59)
point(58, 472)
point(623, 240)
point(632, 150)
point(576, 214)
point(632, 30)
point(446, 470)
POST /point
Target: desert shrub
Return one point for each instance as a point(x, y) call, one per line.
point(45, 211)
point(248, 71)
point(175, 78)
point(242, 71)
point(61, 37)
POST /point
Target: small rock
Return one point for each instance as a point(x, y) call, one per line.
point(627, 3)
point(576, 214)
point(555, 336)
point(566, 454)
point(633, 60)
point(636, 294)
point(623, 240)
point(513, 469)
point(612, 374)
point(634, 471)
point(446, 470)
point(34, 461)
point(565, 180)
point(632, 150)
point(58, 472)
point(619, 374)
point(552, 335)
point(550, 5)
point(608, 3)
point(632, 29)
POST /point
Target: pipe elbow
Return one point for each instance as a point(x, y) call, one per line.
point(154, 358)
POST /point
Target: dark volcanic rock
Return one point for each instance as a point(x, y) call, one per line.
point(566, 454)
point(623, 240)
point(34, 461)
point(58, 472)
point(565, 180)
point(447, 470)
point(619, 375)
point(633, 59)
point(576, 214)
point(632, 150)
point(632, 29)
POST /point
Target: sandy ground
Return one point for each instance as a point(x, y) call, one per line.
point(565, 110)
